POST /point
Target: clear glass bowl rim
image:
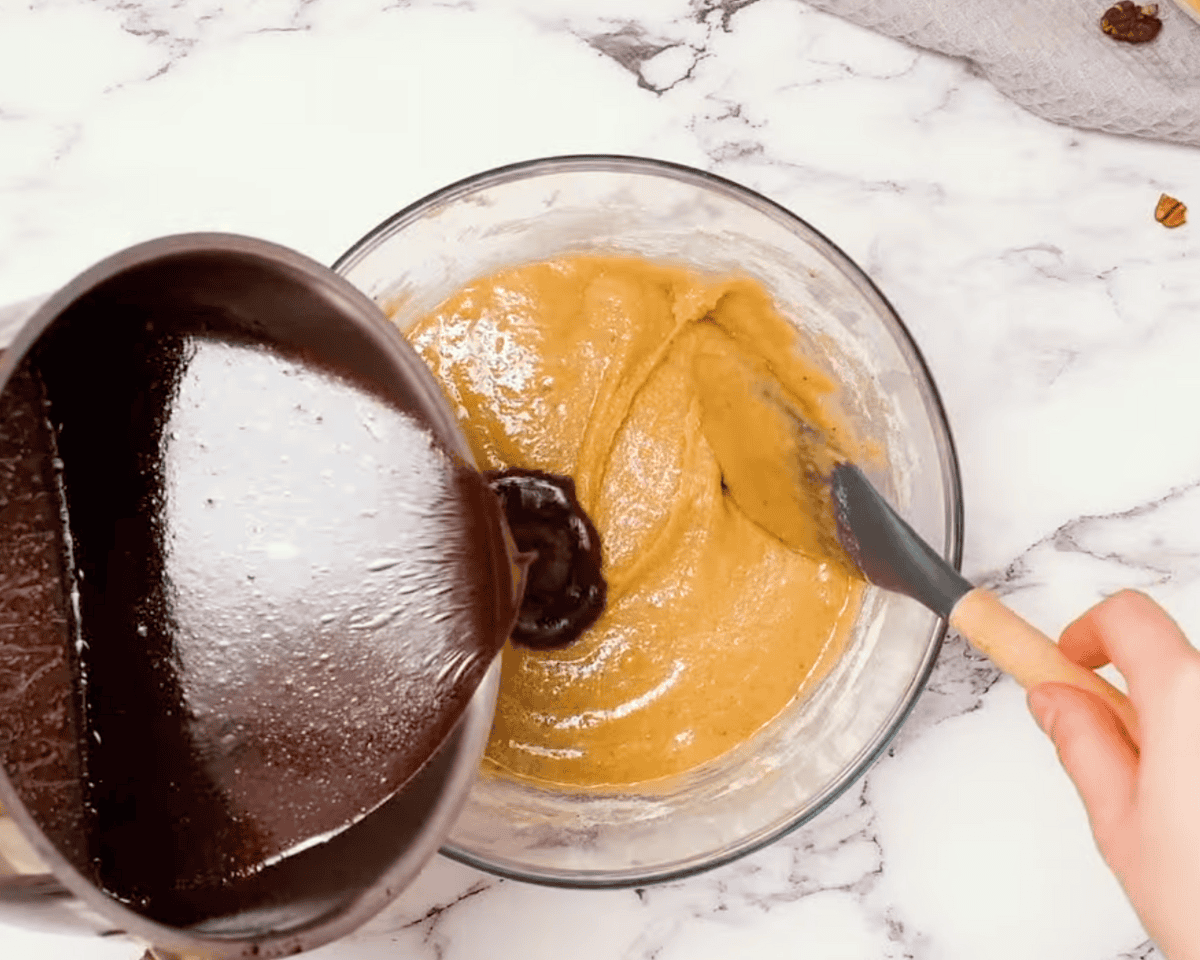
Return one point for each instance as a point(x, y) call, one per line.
point(952, 478)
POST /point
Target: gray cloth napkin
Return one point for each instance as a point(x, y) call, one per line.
point(1051, 57)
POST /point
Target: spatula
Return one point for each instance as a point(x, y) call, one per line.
point(891, 555)
point(791, 480)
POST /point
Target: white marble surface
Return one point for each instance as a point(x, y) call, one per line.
point(1060, 321)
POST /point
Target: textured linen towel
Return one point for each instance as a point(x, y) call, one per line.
point(1051, 57)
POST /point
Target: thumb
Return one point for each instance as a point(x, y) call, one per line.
point(1097, 755)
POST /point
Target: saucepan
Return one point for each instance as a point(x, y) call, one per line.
point(52, 869)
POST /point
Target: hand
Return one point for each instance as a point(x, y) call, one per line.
point(1144, 807)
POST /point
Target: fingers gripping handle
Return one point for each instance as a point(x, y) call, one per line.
point(1028, 655)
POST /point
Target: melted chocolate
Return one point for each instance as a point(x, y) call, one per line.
point(287, 590)
point(565, 590)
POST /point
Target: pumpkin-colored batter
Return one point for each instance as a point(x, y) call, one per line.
point(643, 382)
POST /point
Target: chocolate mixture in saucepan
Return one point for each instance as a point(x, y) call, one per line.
point(280, 591)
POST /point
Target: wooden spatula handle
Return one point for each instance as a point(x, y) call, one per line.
point(1028, 655)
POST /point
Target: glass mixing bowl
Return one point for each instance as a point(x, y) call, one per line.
point(800, 762)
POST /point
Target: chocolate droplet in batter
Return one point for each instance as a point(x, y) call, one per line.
point(565, 589)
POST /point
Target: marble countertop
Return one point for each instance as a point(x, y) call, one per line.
point(1060, 321)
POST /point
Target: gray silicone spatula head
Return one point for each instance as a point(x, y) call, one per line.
point(891, 554)
point(788, 475)
point(887, 550)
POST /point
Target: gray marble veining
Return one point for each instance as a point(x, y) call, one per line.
point(1057, 317)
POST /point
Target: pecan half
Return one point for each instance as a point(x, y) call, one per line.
point(1170, 212)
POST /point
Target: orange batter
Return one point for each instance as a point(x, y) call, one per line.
point(639, 380)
